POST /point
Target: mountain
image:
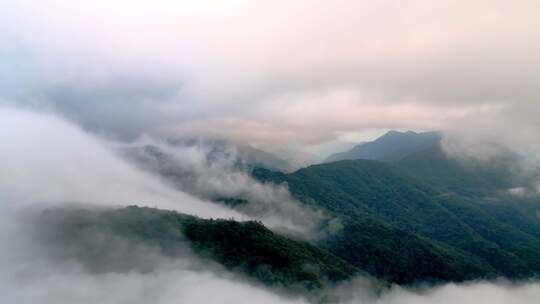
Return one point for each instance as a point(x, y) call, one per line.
point(391, 146)
point(212, 171)
point(260, 158)
point(467, 177)
point(425, 217)
point(421, 217)
point(126, 240)
point(243, 154)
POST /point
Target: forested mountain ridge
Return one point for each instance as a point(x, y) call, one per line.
point(97, 238)
point(423, 218)
point(457, 220)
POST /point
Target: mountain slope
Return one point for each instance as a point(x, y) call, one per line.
point(243, 154)
point(472, 242)
point(467, 177)
point(99, 238)
point(425, 217)
point(392, 146)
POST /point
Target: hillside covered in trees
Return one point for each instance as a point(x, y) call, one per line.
point(97, 239)
point(424, 217)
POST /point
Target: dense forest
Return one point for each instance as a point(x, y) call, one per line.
point(424, 217)
point(248, 248)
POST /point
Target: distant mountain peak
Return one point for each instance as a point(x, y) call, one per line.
point(393, 145)
point(394, 132)
point(215, 148)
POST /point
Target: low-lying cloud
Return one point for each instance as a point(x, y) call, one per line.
point(48, 160)
point(45, 159)
point(215, 171)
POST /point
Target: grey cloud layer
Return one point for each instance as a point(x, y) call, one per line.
point(273, 72)
point(48, 160)
point(45, 159)
point(211, 172)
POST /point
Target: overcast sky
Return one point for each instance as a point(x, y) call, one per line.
point(276, 72)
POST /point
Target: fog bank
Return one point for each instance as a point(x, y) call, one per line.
point(45, 159)
point(217, 172)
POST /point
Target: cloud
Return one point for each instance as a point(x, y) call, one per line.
point(500, 133)
point(171, 286)
point(49, 160)
point(215, 171)
point(45, 159)
point(274, 72)
point(493, 293)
